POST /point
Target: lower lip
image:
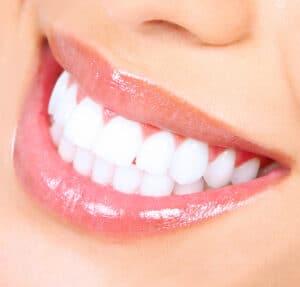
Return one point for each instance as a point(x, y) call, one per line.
point(78, 200)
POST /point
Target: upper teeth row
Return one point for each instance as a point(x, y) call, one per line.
point(117, 152)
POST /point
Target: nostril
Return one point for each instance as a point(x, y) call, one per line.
point(205, 22)
point(208, 22)
point(162, 27)
point(215, 32)
point(165, 25)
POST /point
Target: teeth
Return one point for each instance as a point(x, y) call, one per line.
point(156, 185)
point(189, 188)
point(65, 106)
point(66, 150)
point(115, 153)
point(156, 153)
point(119, 141)
point(246, 171)
point(127, 179)
point(189, 162)
point(84, 124)
point(102, 172)
point(83, 161)
point(56, 132)
point(219, 172)
point(58, 92)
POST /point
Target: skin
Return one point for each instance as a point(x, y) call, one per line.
point(239, 62)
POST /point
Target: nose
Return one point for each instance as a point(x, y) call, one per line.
point(213, 22)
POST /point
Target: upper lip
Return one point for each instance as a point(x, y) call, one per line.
point(141, 100)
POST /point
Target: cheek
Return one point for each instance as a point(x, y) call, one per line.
point(290, 39)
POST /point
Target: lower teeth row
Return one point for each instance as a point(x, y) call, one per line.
point(128, 179)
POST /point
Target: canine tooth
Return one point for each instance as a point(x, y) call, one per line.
point(56, 132)
point(156, 185)
point(189, 188)
point(83, 161)
point(84, 123)
point(58, 92)
point(246, 171)
point(189, 162)
point(66, 150)
point(102, 172)
point(156, 153)
point(66, 105)
point(219, 171)
point(127, 179)
point(119, 141)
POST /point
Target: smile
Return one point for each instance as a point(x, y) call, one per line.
point(114, 153)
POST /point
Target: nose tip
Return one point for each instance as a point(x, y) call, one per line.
point(213, 22)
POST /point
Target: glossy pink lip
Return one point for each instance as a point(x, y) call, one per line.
point(80, 201)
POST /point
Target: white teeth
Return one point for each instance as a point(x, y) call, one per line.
point(65, 106)
point(103, 172)
point(156, 153)
point(189, 162)
point(127, 179)
point(84, 124)
point(246, 171)
point(189, 188)
point(66, 150)
point(56, 132)
point(119, 141)
point(58, 92)
point(156, 185)
point(83, 161)
point(116, 154)
point(219, 172)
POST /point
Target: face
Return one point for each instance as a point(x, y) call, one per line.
point(204, 97)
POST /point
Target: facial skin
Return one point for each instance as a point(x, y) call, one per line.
point(236, 60)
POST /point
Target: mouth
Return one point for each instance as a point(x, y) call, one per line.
point(117, 154)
